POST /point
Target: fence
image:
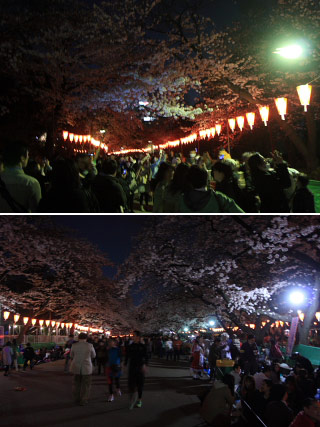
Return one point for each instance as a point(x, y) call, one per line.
point(38, 339)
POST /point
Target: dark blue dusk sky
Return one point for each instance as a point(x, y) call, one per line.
point(111, 233)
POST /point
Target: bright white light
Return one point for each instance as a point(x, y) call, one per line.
point(102, 131)
point(211, 323)
point(185, 329)
point(296, 297)
point(143, 103)
point(290, 52)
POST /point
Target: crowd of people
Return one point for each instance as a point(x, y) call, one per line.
point(256, 389)
point(165, 182)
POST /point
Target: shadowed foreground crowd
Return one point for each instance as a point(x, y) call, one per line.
point(163, 183)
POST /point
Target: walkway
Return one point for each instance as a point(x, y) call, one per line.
point(170, 399)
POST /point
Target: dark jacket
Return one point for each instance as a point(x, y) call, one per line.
point(278, 414)
point(207, 201)
point(303, 201)
point(109, 193)
point(136, 356)
point(270, 185)
point(64, 201)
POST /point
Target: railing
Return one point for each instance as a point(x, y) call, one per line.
point(36, 339)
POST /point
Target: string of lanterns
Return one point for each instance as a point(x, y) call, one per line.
point(53, 323)
point(304, 93)
point(83, 139)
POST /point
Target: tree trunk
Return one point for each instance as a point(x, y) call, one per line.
point(310, 315)
point(23, 331)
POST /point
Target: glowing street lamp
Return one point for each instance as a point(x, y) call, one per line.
point(296, 297)
point(293, 51)
point(232, 124)
point(304, 92)
point(218, 129)
point(264, 113)
point(6, 315)
point(240, 122)
point(281, 104)
point(16, 318)
point(211, 322)
point(250, 119)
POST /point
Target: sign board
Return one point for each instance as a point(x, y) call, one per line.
point(292, 335)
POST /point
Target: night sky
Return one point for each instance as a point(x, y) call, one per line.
point(111, 233)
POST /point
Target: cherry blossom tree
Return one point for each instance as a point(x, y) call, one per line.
point(240, 268)
point(45, 269)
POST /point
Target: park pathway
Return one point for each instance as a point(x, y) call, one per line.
point(170, 399)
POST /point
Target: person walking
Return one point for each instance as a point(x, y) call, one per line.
point(81, 355)
point(68, 346)
point(249, 356)
point(113, 368)
point(28, 356)
point(177, 344)
point(15, 354)
point(7, 358)
point(102, 356)
point(137, 359)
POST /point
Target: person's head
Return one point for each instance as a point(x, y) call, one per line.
point(165, 172)
point(15, 154)
point(65, 174)
point(237, 368)
point(113, 343)
point(179, 180)
point(28, 344)
point(249, 383)
point(136, 336)
point(267, 371)
point(303, 374)
point(197, 177)
point(82, 336)
point(291, 384)
point(8, 344)
point(278, 392)
point(229, 381)
point(302, 181)
point(312, 409)
point(109, 167)
point(257, 163)
point(250, 339)
point(71, 336)
point(276, 367)
point(84, 163)
point(266, 386)
point(222, 171)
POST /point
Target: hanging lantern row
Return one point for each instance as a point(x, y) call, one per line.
point(304, 93)
point(83, 138)
point(52, 323)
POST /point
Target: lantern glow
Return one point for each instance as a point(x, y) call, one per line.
point(6, 315)
point(218, 129)
point(281, 104)
point(301, 316)
point(71, 137)
point(65, 134)
point(232, 124)
point(16, 318)
point(318, 316)
point(53, 323)
point(264, 113)
point(250, 119)
point(85, 138)
point(304, 92)
point(57, 324)
point(62, 325)
point(80, 138)
point(76, 138)
point(25, 320)
point(47, 323)
point(34, 321)
point(41, 323)
point(240, 122)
